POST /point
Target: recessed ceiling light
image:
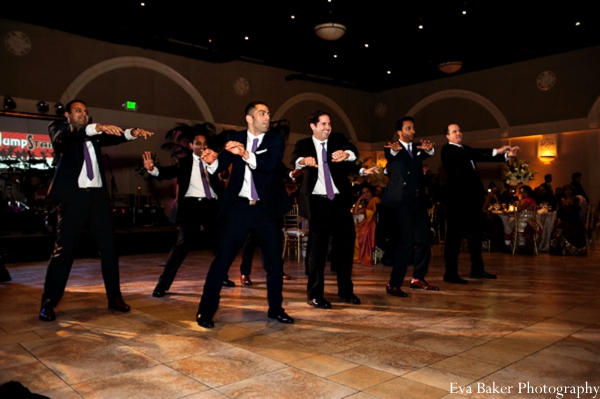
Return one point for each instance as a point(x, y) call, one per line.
point(293, 17)
point(577, 23)
point(335, 56)
point(143, 4)
point(389, 72)
point(367, 45)
point(420, 26)
point(464, 13)
point(245, 37)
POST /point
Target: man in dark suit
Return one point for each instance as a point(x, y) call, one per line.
point(406, 196)
point(198, 197)
point(464, 201)
point(254, 202)
point(548, 196)
point(79, 188)
point(325, 201)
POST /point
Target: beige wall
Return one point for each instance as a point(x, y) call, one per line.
point(494, 107)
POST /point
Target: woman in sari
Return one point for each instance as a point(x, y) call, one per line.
point(365, 229)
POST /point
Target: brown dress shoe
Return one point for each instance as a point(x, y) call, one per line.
point(245, 280)
point(423, 285)
point(395, 291)
point(119, 305)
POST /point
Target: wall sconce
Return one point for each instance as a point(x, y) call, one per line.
point(547, 148)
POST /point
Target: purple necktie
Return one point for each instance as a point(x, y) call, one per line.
point(89, 169)
point(253, 192)
point(204, 182)
point(327, 174)
point(409, 148)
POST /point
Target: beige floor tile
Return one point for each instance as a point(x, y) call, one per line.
point(437, 378)
point(402, 388)
point(533, 320)
point(34, 376)
point(323, 365)
point(445, 343)
point(466, 367)
point(287, 383)
point(361, 377)
point(226, 367)
point(154, 382)
point(13, 355)
point(324, 339)
point(390, 357)
point(287, 353)
point(81, 358)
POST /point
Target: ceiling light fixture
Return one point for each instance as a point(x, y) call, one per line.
point(330, 31)
point(450, 66)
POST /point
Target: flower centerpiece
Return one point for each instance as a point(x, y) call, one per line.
point(518, 172)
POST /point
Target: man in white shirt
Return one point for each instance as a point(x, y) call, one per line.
point(405, 196)
point(198, 198)
point(254, 202)
point(79, 188)
point(325, 201)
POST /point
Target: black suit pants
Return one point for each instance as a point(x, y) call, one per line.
point(330, 219)
point(236, 223)
point(83, 209)
point(411, 228)
point(193, 214)
point(463, 222)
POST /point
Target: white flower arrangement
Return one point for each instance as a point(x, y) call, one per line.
point(518, 172)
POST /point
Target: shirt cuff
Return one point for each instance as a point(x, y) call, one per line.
point(351, 156)
point(154, 172)
point(251, 161)
point(393, 153)
point(213, 167)
point(128, 135)
point(298, 165)
point(90, 130)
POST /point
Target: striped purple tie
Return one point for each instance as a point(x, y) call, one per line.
point(89, 169)
point(327, 174)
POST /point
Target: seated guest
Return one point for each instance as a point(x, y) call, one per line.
point(569, 235)
point(493, 227)
point(365, 229)
point(526, 203)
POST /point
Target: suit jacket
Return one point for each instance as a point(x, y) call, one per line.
point(464, 187)
point(68, 154)
point(267, 180)
point(339, 170)
point(403, 170)
point(183, 172)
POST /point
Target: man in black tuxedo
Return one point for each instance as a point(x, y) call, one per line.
point(325, 201)
point(254, 202)
point(406, 196)
point(464, 201)
point(79, 188)
point(548, 196)
point(198, 197)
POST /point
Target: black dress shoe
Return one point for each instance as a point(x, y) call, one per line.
point(47, 313)
point(319, 303)
point(228, 283)
point(282, 317)
point(206, 323)
point(119, 305)
point(455, 280)
point(483, 274)
point(5, 277)
point(158, 292)
point(395, 291)
point(353, 299)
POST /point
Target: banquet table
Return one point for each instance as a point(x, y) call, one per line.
point(545, 219)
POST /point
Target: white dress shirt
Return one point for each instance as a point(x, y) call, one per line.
point(96, 182)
